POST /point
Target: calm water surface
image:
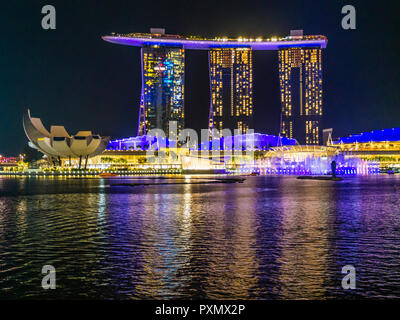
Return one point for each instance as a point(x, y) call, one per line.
point(267, 238)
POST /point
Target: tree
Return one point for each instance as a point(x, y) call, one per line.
point(106, 159)
point(31, 155)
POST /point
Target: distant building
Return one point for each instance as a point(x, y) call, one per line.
point(386, 139)
point(140, 143)
point(257, 141)
point(248, 141)
point(4, 159)
point(381, 146)
point(327, 136)
point(8, 162)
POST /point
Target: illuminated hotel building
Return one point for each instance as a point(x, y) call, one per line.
point(162, 98)
point(300, 78)
point(231, 86)
point(231, 80)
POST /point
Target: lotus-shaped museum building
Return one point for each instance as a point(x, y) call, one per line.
point(57, 143)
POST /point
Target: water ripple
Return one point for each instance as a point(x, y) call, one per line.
point(268, 238)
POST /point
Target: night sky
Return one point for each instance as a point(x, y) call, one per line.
point(71, 77)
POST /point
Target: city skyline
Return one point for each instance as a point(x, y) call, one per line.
point(199, 155)
point(101, 79)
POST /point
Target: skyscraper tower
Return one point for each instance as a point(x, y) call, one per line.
point(231, 84)
point(162, 96)
point(300, 79)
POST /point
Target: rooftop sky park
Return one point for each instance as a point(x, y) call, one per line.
point(157, 36)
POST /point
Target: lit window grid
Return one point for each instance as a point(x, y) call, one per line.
point(312, 132)
point(163, 68)
point(310, 61)
point(238, 64)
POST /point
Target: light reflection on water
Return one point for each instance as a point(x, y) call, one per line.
point(268, 238)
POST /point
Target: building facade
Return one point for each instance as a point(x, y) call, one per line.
point(300, 79)
point(162, 97)
point(231, 89)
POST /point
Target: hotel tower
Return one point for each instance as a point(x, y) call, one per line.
point(300, 79)
point(231, 86)
point(162, 98)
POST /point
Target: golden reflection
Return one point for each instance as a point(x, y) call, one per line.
point(102, 204)
point(161, 255)
point(232, 254)
point(4, 214)
point(20, 217)
point(304, 242)
point(192, 245)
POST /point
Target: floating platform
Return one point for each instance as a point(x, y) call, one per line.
point(182, 181)
point(320, 178)
point(207, 171)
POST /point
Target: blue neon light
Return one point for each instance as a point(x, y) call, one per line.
point(373, 136)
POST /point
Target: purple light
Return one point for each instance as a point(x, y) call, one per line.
point(373, 136)
point(209, 44)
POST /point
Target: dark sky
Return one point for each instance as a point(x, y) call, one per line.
point(70, 76)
